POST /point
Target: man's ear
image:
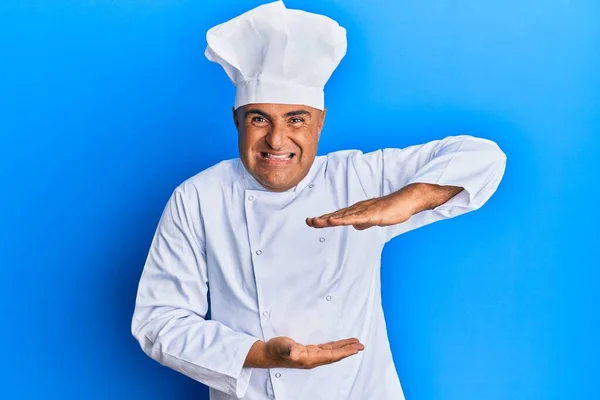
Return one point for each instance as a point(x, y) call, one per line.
point(235, 117)
point(322, 120)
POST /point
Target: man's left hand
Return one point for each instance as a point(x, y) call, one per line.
point(392, 209)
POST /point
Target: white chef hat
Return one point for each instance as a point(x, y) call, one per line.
point(278, 55)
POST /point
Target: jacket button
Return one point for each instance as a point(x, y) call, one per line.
point(328, 298)
point(321, 239)
point(250, 197)
point(311, 186)
point(278, 375)
point(258, 252)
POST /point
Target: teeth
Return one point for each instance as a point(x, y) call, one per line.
point(277, 157)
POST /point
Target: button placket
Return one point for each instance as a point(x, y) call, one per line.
point(265, 313)
point(270, 392)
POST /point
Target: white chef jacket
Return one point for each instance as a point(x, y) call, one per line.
point(271, 275)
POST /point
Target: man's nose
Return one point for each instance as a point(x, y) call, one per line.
point(276, 138)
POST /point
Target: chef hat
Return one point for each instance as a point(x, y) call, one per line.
point(278, 55)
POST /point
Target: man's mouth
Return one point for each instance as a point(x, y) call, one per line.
point(273, 157)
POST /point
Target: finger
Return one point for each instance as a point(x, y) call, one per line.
point(360, 208)
point(353, 209)
point(328, 343)
point(341, 345)
point(313, 356)
point(347, 220)
point(326, 346)
point(311, 221)
point(322, 217)
point(318, 222)
point(348, 350)
point(331, 356)
point(362, 214)
point(336, 344)
point(337, 212)
point(356, 209)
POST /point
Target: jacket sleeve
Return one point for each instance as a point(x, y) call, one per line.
point(169, 319)
point(477, 165)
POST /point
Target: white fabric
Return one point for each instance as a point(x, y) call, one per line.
point(278, 55)
point(272, 275)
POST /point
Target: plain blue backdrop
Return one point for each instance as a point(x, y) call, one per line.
point(106, 106)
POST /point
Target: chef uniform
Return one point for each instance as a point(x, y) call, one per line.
point(269, 273)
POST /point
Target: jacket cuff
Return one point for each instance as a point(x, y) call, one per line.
point(241, 379)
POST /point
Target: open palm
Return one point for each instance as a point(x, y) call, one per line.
point(295, 355)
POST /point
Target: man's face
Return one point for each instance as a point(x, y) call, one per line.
point(278, 142)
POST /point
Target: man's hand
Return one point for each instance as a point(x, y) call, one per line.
point(392, 209)
point(283, 352)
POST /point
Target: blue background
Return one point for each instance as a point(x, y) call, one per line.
point(106, 106)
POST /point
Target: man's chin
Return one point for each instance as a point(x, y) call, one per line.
point(277, 185)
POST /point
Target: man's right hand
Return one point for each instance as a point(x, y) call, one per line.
point(283, 352)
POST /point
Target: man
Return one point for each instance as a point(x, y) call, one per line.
point(290, 242)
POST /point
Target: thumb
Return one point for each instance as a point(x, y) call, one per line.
point(284, 346)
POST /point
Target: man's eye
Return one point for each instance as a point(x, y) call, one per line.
point(296, 120)
point(258, 119)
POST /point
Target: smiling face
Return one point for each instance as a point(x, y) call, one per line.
point(278, 142)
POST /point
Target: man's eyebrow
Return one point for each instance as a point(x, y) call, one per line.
point(297, 112)
point(259, 112)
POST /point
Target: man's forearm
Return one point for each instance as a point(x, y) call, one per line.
point(257, 356)
point(426, 196)
point(394, 208)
